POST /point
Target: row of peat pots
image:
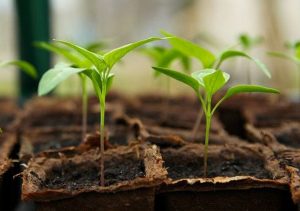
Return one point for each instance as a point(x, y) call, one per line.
point(153, 159)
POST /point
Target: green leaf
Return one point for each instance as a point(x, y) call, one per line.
point(285, 56)
point(55, 76)
point(248, 42)
point(186, 79)
point(109, 82)
point(248, 88)
point(211, 80)
point(191, 49)
point(67, 54)
point(115, 55)
point(233, 53)
point(23, 65)
point(154, 52)
point(96, 46)
point(95, 59)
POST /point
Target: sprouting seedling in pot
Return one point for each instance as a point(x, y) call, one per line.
point(209, 60)
point(248, 43)
point(75, 60)
point(100, 75)
point(23, 65)
point(206, 83)
point(294, 57)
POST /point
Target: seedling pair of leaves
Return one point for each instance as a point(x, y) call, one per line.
point(210, 60)
point(206, 83)
point(75, 61)
point(209, 80)
point(295, 57)
point(99, 73)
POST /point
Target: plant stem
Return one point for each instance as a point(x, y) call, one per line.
point(208, 115)
point(84, 106)
point(207, 130)
point(102, 118)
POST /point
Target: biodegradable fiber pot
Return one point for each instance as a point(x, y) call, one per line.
point(240, 177)
point(283, 141)
point(72, 183)
point(7, 170)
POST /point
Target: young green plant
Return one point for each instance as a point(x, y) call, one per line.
point(75, 60)
point(295, 58)
point(23, 65)
point(206, 83)
point(100, 75)
point(248, 43)
point(209, 61)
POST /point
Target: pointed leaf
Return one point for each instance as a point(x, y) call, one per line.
point(186, 79)
point(61, 51)
point(23, 65)
point(96, 80)
point(233, 53)
point(95, 59)
point(248, 88)
point(109, 82)
point(55, 76)
point(284, 56)
point(191, 49)
point(115, 55)
point(211, 80)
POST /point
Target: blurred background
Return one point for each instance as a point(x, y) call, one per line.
point(215, 23)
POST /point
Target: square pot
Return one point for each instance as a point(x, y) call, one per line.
point(36, 140)
point(240, 177)
point(72, 183)
point(286, 134)
point(8, 186)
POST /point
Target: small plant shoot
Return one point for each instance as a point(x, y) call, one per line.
point(206, 83)
point(99, 73)
point(209, 60)
point(294, 57)
point(23, 65)
point(75, 60)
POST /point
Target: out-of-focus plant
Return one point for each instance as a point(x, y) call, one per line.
point(294, 57)
point(248, 43)
point(26, 67)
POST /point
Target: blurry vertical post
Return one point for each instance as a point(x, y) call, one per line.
point(32, 17)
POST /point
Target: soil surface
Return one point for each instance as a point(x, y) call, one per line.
point(184, 163)
point(77, 175)
point(290, 137)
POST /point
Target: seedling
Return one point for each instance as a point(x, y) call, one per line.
point(209, 60)
point(248, 43)
point(75, 60)
point(295, 58)
point(100, 75)
point(206, 83)
point(23, 65)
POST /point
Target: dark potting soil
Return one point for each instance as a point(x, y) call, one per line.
point(63, 119)
point(274, 116)
point(55, 140)
point(183, 164)
point(74, 176)
point(289, 138)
